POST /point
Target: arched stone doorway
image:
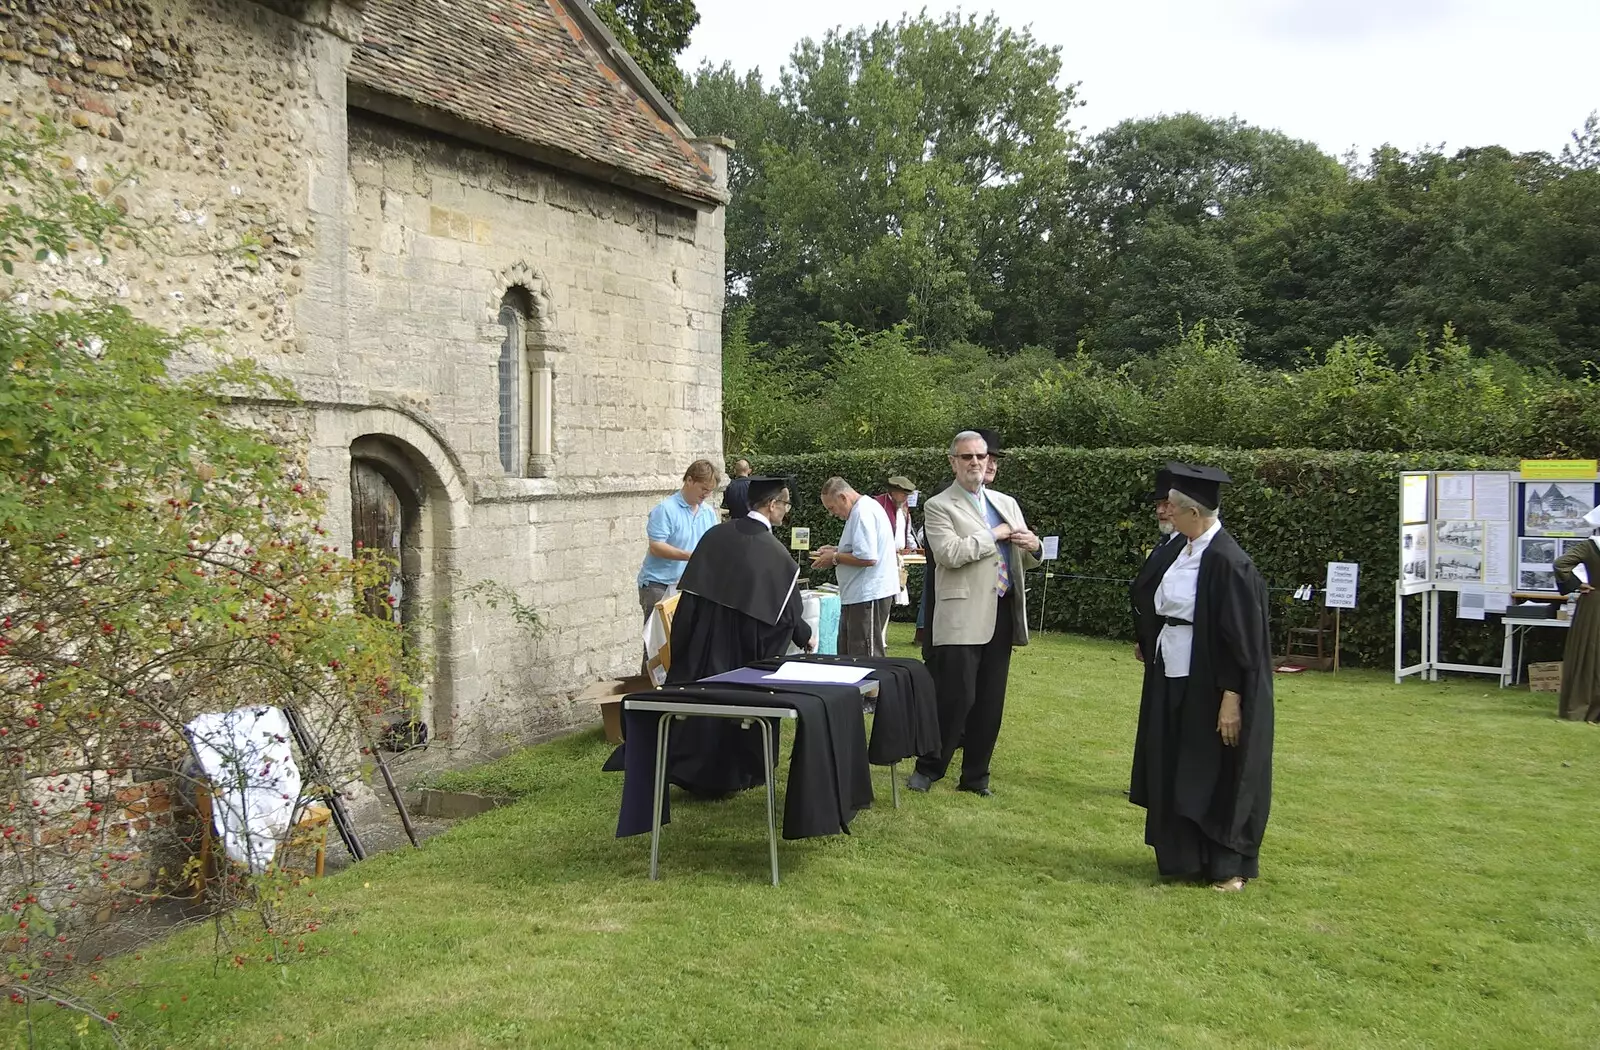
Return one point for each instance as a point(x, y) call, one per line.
point(398, 508)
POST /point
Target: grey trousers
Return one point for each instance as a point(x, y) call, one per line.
point(649, 594)
point(863, 627)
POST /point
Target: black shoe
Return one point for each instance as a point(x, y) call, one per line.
point(981, 792)
point(918, 782)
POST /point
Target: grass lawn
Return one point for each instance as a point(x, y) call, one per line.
point(1429, 879)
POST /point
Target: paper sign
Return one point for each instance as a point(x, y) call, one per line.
point(1491, 497)
point(799, 539)
point(1470, 604)
point(1340, 590)
point(1497, 554)
point(1052, 548)
point(1558, 469)
point(1496, 602)
point(1455, 497)
point(911, 500)
point(1413, 499)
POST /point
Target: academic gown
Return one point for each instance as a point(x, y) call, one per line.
point(1142, 593)
point(1580, 664)
point(1181, 768)
point(739, 603)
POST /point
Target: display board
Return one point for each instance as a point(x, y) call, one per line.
point(1495, 531)
point(1491, 537)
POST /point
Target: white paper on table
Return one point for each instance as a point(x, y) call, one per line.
point(1470, 604)
point(826, 674)
point(1497, 553)
point(1491, 497)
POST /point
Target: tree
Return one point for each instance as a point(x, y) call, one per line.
point(654, 32)
point(159, 558)
point(1167, 202)
point(1583, 152)
point(896, 175)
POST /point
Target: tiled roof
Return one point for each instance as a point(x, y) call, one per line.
point(522, 69)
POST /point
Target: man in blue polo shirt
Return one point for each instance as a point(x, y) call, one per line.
point(675, 527)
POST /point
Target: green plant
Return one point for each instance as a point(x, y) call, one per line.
point(160, 558)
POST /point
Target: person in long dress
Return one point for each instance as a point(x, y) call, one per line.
point(1580, 665)
point(1202, 762)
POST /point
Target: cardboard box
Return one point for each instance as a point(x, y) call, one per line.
point(611, 706)
point(1545, 677)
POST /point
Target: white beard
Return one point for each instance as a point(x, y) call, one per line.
point(1165, 527)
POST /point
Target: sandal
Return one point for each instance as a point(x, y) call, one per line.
point(1233, 885)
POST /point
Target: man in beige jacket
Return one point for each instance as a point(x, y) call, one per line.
point(981, 545)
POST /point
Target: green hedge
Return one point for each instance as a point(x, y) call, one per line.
point(1293, 510)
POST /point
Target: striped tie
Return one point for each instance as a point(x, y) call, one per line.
point(1005, 575)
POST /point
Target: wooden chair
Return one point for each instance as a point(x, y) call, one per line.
point(1311, 646)
point(657, 666)
point(309, 832)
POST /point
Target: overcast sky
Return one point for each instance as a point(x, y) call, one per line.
point(1341, 73)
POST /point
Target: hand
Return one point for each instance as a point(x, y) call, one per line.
point(1001, 532)
point(1025, 539)
point(810, 646)
point(1138, 652)
point(1228, 720)
point(1584, 588)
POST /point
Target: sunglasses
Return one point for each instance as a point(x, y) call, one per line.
point(970, 457)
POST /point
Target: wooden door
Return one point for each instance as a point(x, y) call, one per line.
point(377, 522)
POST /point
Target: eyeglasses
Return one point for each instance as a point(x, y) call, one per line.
point(970, 457)
point(781, 503)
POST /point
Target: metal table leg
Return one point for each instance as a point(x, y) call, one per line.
point(663, 728)
point(772, 795)
point(894, 783)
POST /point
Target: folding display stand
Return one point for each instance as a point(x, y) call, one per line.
point(1432, 611)
point(1491, 538)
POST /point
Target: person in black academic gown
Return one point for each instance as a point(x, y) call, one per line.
point(740, 595)
point(739, 603)
point(1202, 763)
point(1142, 592)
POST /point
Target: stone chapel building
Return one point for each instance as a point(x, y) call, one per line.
point(485, 250)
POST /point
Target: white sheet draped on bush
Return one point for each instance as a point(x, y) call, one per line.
point(254, 782)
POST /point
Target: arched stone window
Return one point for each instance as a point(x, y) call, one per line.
point(525, 390)
point(514, 319)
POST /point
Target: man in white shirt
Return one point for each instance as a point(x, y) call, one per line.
point(869, 572)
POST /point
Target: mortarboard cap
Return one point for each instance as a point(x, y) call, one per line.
point(1163, 482)
point(1201, 484)
point(763, 489)
point(903, 483)
point(992, 439)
